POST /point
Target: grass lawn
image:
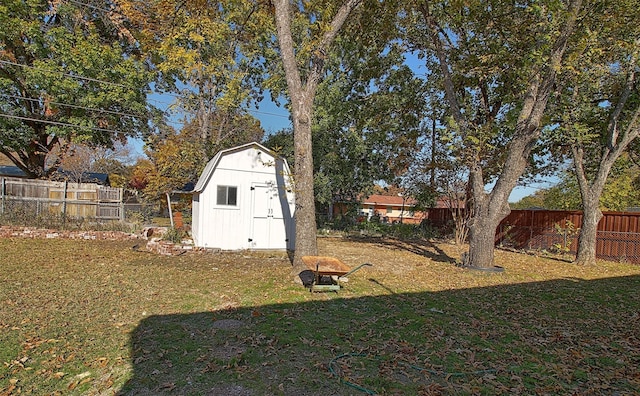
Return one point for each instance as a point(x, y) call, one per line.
point(98, 318)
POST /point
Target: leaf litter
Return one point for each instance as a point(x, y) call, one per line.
point(95, 317)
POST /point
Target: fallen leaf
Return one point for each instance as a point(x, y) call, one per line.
point(168, 386)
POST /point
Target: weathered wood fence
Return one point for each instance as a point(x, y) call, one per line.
point(86, 200)
point(618, 236)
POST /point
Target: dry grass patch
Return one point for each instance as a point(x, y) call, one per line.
point(96, 317)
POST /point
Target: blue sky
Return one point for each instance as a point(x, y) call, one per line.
point(274, 118)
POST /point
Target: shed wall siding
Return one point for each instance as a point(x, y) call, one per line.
point(230, 227)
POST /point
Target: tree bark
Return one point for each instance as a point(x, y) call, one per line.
point(302, 95)
point(488, 212)
point(490, 209)
point(305, 215)
point(481, 242)
point(591, 190)
point(586, 254)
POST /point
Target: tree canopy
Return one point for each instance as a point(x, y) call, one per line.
point(209, 54)
point(67, 76)
point(620, 192)
point(597, 112)
point(497, 64)
point(496, 74)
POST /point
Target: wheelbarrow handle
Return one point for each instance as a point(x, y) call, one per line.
point(355, 269)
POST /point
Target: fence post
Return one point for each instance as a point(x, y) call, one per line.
point(121, 198)
point(531, 230)
point(64, 199)
point(170, 212)
point(4, 192)
point(64, 204)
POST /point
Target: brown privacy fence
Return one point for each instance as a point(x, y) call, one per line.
point(86, 200)
point(618, 236)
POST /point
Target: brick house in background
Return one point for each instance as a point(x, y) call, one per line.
point(392, 208)
point(388, 208)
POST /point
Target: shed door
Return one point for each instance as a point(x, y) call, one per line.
point(268, 228)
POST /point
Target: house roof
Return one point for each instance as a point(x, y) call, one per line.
point(12, 171)
point(87, 177)
point(213, 163)
point(447, 202)
point(391, 200)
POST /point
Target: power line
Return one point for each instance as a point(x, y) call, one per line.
point(66, 74)
point(165, 103)
point(75, 106)
point(174, 122)
point(123, 86)
point(61, 123)
point(271, 114)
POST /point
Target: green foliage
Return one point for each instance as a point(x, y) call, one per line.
point(344, 167)
point(174, 235)
point(531, 201)
point(281, 143)
point(173, 162)
point(566, 232)
point(565, 195)
point(216, 51)
point(66, 76)
point(367, 113)
point(622, 189)
point(619, 193)
point(493, 49)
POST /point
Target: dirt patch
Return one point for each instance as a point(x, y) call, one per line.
point(229, 390)
point(228, 351)
point(228, 324)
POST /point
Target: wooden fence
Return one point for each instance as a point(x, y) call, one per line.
point(86, 200)
point(618, 236)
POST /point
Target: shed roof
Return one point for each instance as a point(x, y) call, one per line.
point(213, 163)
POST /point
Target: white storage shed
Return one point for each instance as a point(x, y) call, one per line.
point(244, 200)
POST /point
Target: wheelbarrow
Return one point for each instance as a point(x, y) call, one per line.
point(327, 272)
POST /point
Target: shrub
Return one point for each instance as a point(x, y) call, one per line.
point(174, 235)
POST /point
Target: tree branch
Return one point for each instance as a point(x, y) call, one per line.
point(434, 33)
point(626, 93)
point(328, 38)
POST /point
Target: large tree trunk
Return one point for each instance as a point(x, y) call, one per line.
point(588, 232)
point(302, 95)
point(306, 242)
point(488, 212)
point(590, 191)
point(482, 236)
point(490, 209)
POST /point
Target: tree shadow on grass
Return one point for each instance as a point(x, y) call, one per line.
point(423, 248)
point(565, 336)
